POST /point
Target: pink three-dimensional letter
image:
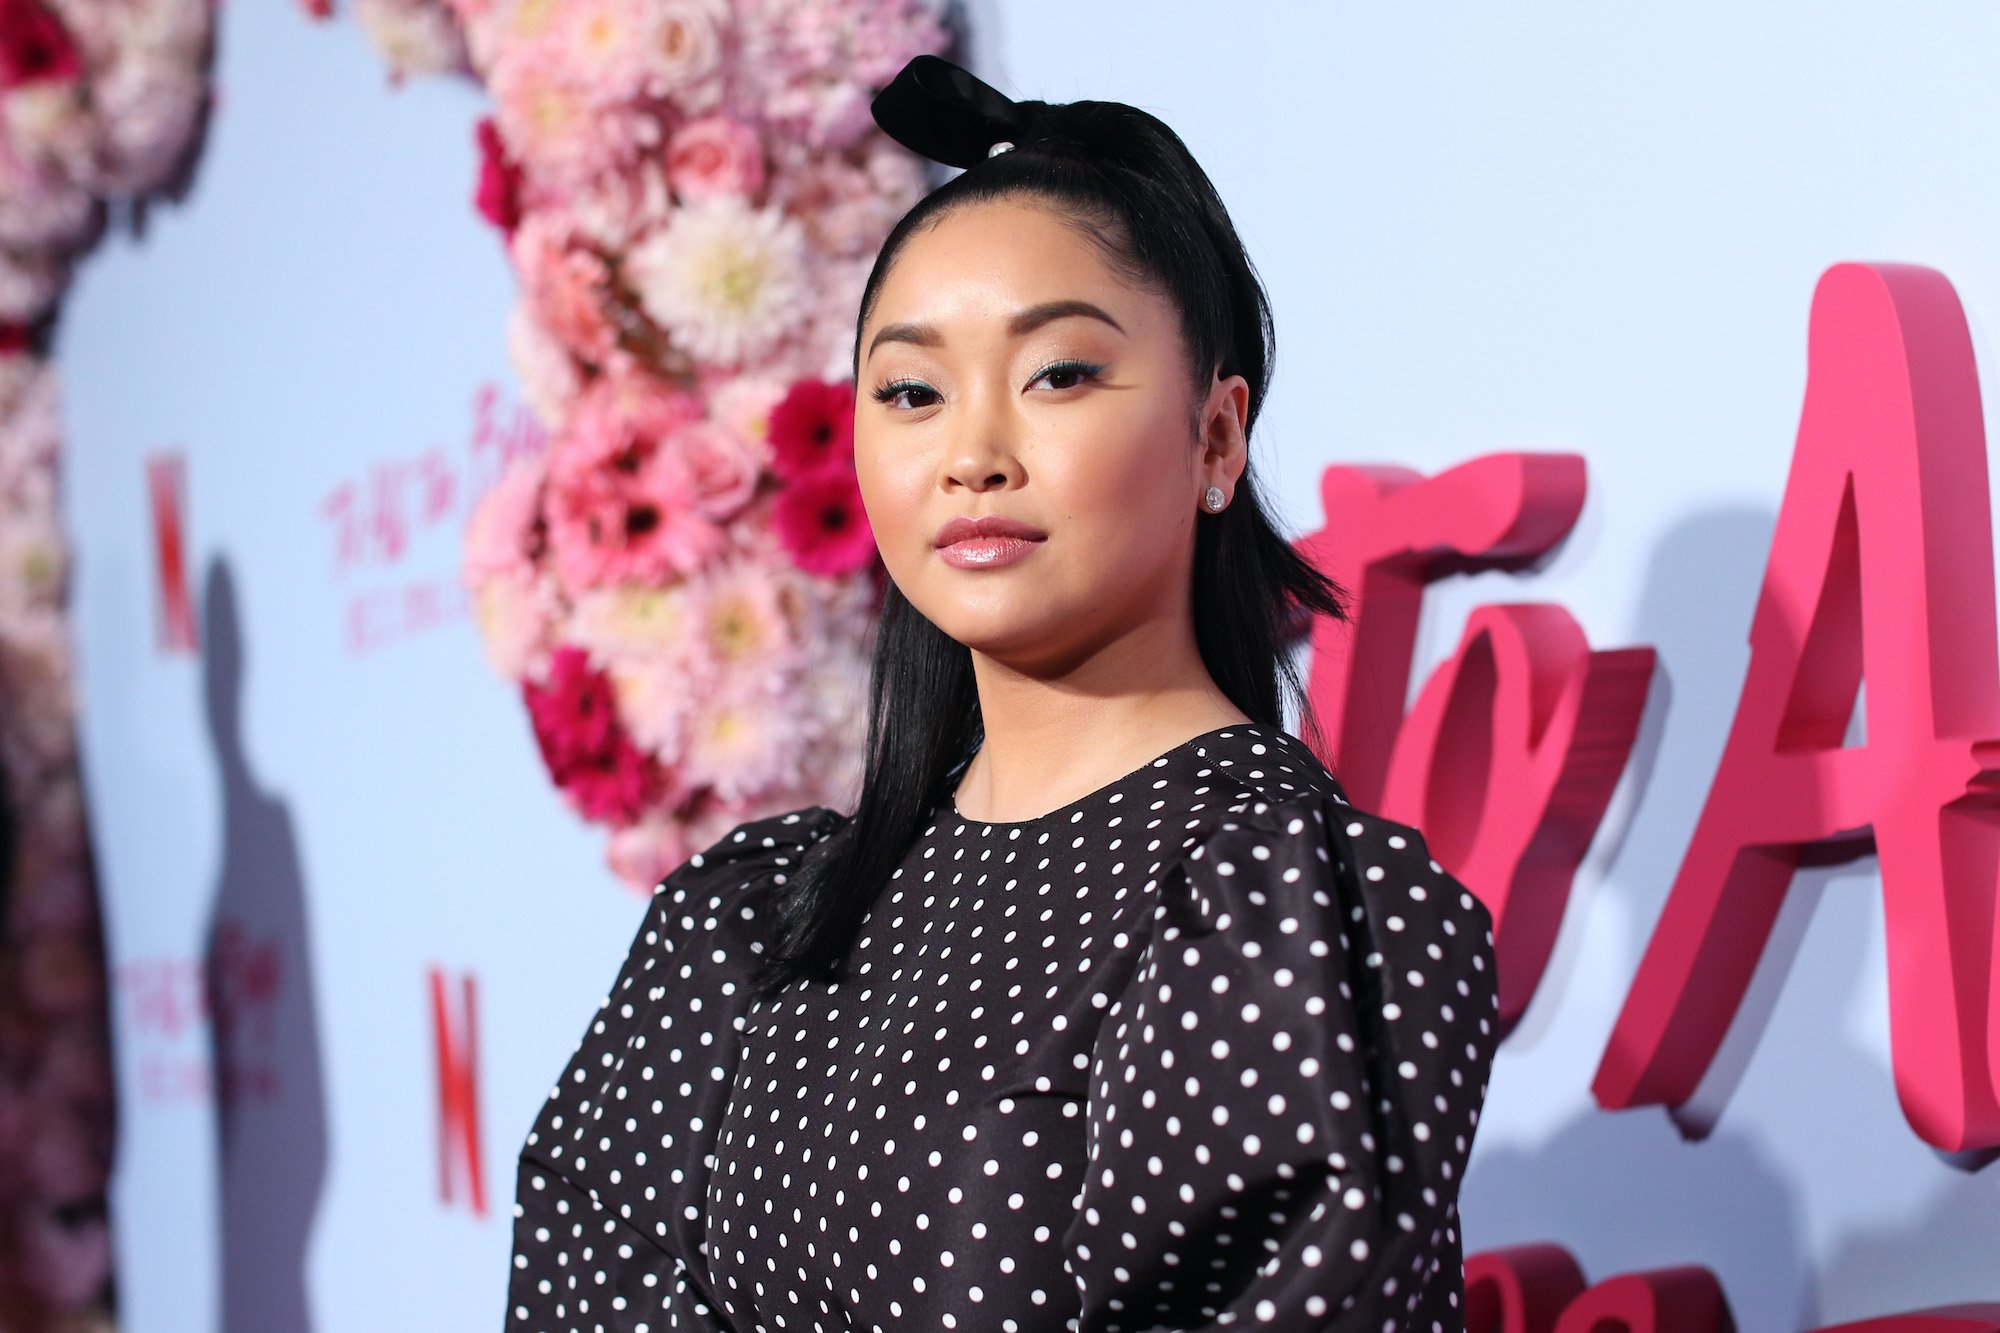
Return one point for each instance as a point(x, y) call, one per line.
point(1881, 566)
point(1513, 747)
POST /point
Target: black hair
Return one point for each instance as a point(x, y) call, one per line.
point(1128, 182)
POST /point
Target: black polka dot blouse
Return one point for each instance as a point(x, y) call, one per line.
point(1202, 1049)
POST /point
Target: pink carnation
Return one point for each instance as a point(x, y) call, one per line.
point(715, 155)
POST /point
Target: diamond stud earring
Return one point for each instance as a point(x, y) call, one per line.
point(1213, 498)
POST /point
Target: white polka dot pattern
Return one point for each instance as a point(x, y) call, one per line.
point(1283, 1101)
point(1202, 1049)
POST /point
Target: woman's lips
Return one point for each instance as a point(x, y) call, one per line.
point(986, 552)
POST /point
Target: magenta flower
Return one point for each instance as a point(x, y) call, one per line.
point(822, 524)
point(812, 427)
point(606, 777)
point(34, 46)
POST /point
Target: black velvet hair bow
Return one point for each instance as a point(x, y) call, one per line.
point(940, 111)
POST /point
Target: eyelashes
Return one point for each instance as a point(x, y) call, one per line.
point(1085, 371)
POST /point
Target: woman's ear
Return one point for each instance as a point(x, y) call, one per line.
point(1221, 430)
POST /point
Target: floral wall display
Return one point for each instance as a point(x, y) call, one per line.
point(691, 193)
point(103, 105)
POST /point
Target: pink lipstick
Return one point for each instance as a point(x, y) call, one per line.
point(987, 542)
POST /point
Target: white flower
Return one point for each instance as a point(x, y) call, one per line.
point(150, 116)
point(414, 38)
point(741, 741)
point(724, 280)
point(683, 47)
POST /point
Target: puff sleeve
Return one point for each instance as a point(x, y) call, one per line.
point(1283, 1097)
point(608, 1223)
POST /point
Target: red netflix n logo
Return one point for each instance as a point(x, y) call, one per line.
point(457, 1039)
point(166, 487)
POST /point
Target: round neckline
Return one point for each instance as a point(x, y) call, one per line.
point(1090, 797)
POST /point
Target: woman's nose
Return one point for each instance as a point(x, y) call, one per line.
point(984, 446)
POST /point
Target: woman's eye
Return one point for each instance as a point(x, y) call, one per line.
point(1073, 371)
point(1061, 375)
point(884, 393)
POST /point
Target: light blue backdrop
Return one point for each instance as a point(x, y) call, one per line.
point(1557, 226)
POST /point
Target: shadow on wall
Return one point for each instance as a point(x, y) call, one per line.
point(1625, 1191)
point(269, 1098)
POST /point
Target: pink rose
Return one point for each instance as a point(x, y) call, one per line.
point(715, 156)
point(723, 472)
point(567, 285)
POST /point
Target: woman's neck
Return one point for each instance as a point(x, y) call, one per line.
point(1055, 739)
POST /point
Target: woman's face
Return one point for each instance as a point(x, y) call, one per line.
point(1006, 370)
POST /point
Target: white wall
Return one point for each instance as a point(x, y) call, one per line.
point(1596, 228)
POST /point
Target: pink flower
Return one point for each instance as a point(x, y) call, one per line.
point(636, 409)
point(505, 535)
point(738, 630)
point(625, 502)
point(744, 742)
point(685, 49)
point(629, 523)
point(567, 285)
point(715, 155)
point(847, 207)
point(516, 616)
point(556, 122)
point(548, 374)
point(605, 43)
point(812, 427)
point(724, 473)
point(657, 702)
point(647, 852)
point(822, 523)
point(498, 197)
point(34, 46)
point(742, 405)
point(605, 776)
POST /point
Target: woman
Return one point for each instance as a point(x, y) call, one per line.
point(1104, 1010)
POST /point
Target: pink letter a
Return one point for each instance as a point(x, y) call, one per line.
point(1881, 562)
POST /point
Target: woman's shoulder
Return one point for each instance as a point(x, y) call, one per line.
point(720, 889)
point(1316, 852)
point(769, 842)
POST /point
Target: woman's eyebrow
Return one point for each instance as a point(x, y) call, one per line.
point(1022, 321)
